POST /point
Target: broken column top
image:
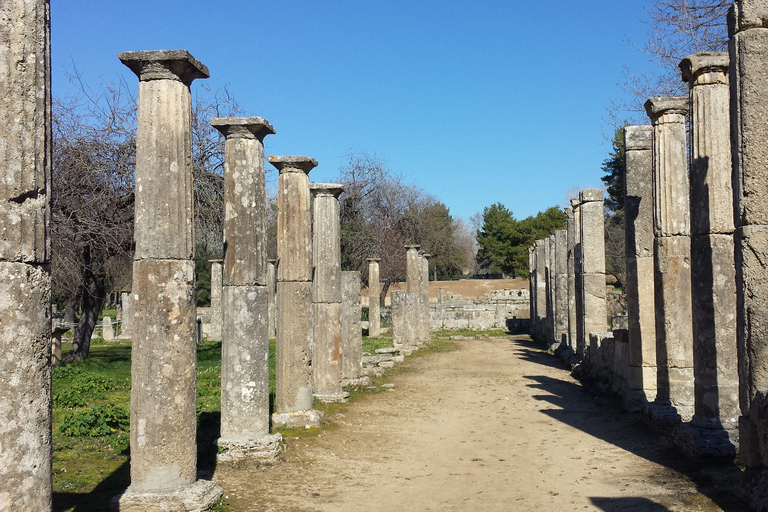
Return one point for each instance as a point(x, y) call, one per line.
point(293, 163)
point(638, 137)
point(164, 65)
point(243, 127)
point(590, 194)
point(575, 201)
point(705, 68)
point(327, 189)
point(658, 106)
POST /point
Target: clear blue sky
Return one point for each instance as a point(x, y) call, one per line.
point(474, 102)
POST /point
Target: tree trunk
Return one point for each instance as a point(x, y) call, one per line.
point(93, 297)
point(70, 307)
point(383, 294)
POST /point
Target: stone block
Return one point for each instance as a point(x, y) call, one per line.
point(751, 14)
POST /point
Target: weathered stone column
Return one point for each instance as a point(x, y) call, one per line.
point(593, 261)
point(549, 252)
point(25, 283)
point(351, 329)
point(271, 281)
point(374, 304)
point(578, 278)
point(638, 237)
point(424, 296)
point(326, 293)
point(561, 289)
point(748, 27)
point(571, 267)
point(164, 357)
point(399, 319)
point(293, 321)
point(672, 257)
point(127, 320)
point(531, 289)
point(413, 309)
point(541, 288)
point(713, 273)
point(245, 337)
point(217, 287)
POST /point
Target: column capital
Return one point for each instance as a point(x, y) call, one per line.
point(705, 68)
point(164, 65)
point(569, 212)
point(590, 195)
point(746, 14)
point(575, 202)
point(638, 137)
point(326, 189)
point(426, 255)
point(293, 163)
point(274, 262)
point(215, 261)
point(374, 259)
point(412, 247)
point(243, 127)
point(658, 106)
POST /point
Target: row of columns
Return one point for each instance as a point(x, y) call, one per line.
point(567, 278)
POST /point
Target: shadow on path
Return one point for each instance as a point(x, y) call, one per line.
point(604, 417)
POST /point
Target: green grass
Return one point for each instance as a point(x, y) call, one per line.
point(371, 344)
point(444, 333)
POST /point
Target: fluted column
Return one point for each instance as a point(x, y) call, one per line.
point(25, 283)
point(748, 27)
point(164, 357)
point(326, 293)
point(374, 305)
point(672, 257)
point(293, 357)
point(713, 273)
point(638, 236)
point(245, 337)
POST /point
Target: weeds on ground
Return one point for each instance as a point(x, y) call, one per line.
point(493, 333)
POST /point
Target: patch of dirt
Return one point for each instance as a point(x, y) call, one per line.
point(497, 425)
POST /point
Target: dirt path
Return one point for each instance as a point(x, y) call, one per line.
point(494, 426)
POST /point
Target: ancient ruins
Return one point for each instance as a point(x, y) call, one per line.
point(690, 353)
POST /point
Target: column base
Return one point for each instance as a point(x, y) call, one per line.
point(308, 419)
point(698, 442)
point(663, 417)
point(267, 448)
point(359, 382)
point(341, 397)
point(635, 400)
point(196, 497)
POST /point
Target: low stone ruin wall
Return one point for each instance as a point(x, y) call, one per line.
point(501, 309)
point(384, 358)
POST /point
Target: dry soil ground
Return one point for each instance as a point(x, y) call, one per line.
point(497, 425)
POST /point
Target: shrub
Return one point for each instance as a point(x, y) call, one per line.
point(98, 421)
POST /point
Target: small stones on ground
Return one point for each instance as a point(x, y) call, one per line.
point(387, 385)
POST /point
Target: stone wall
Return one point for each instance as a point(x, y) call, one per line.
point(501, 309)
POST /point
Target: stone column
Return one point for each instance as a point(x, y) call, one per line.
point(561, 288)
point(638, 237)
point(374, 304)
point(578, 278)
point(549, 254)
point(593, 261)
point(424, 296)
point(164, 357)
point(293, 321)
point(399, 319)
point(107, 331)
point(713, 273)
point(25, 284)
point(531, 288)
point(672, 257)
point(351, 328)
point(127, 320)
point(244, 335)
point(412, 310)
point(541, 288)
point(571, 268)
point(748, 27)
point(271, 277)
point(326, 293)
point(217, 287)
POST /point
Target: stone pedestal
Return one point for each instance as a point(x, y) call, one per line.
point(351, 329)
point(164, 358)
point(127, 320)
point(245, 337)
point(713, 274)
point(217, 288)
point(374, 301)
point(638, 236)
point(25, 284)
point(672, 256)
point(749, 111)
point(326, 293)
point(592, 241)
point(293, 386)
